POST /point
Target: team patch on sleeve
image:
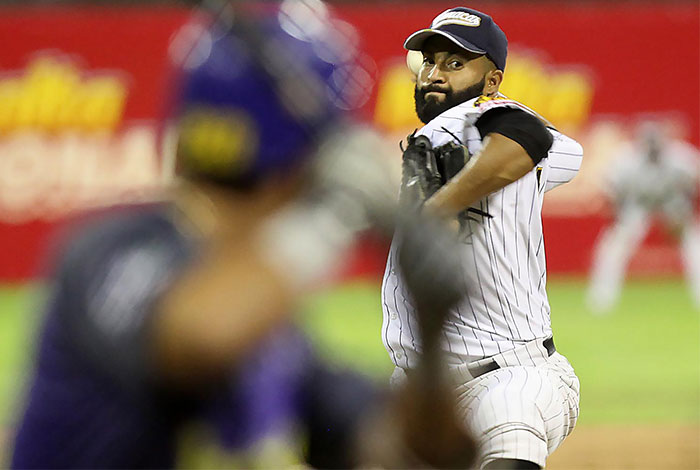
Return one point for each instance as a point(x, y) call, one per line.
point(110, 277)
point(487, 103)
point(485, 99)
point(500, 102)
point(117, 304)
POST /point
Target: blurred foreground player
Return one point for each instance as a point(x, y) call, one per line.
point(162, 313)
point(654, 176)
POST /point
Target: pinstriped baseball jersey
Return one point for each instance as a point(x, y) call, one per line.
point(503, 258)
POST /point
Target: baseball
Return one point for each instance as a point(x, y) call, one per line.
point(414, 60)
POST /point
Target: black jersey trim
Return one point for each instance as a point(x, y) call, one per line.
point(520, 126)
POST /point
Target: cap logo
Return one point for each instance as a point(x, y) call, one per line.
point(456, 17)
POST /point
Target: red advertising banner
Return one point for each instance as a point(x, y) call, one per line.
point(82, 89)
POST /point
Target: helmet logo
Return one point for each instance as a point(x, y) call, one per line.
point(216, 143)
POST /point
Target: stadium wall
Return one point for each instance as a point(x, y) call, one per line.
point(82, 89)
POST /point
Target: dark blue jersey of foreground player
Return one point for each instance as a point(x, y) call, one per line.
point(95, 400)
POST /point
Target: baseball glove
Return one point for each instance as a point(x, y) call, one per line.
point(420, 175)
point(450, 158)
point(426, 169)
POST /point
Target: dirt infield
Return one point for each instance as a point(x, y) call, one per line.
point(614, 448)
point(629, 447)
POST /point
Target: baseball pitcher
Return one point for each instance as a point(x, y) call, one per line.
point(483, 163)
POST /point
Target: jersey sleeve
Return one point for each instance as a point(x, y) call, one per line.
point(563, 160)
point(105, 290)
point(518, 125)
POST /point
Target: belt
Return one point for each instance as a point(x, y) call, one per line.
point(478, 370)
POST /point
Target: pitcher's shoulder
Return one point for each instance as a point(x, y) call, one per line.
point(451, 123)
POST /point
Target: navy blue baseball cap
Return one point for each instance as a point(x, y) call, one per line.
point(469, 29)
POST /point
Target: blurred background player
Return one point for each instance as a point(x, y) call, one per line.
point(655, 176)
point(165, 312)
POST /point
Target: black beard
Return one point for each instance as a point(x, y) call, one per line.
point(427, 110)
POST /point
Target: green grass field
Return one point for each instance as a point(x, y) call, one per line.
point(638, 365)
